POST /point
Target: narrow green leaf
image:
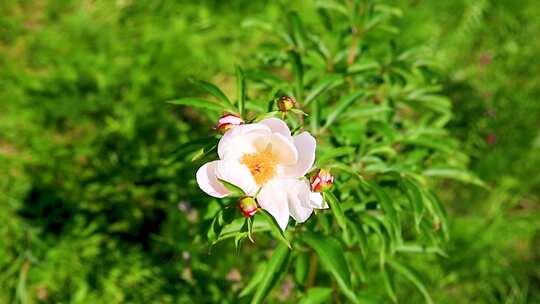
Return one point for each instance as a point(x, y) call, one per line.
point(414, 195)
point(299, 112)
point(314, 122)
point(389, 284)
point(230, 230)
point(333, 6)
point(387, 207)
point(331, 256)
point(335, 206)
point(204, 151)
point(351, 171)
point(375, 224)
point(250, 229)
point(383, 150)
point(331, 154)
point(431, 143)
point(359, 235)
point(363, 66)
point(299, 33)
point(456, 174)
point(223, 217)
point(187, 148)
point(274, 227)
point(340, 107)
point(266, 115)
point(267, 78)
point(410, 274)
point(269, 27)
point(276, 266)
point(317, 295)
point(21, 291)
point(324, 84)
point(301, 268)
point(251, 286)
point(241, 89)
point(298, 74)
point(235, 190)
point(212, 89)
point(256, 106)
point(214, 230)
point(437, 209)
point(385, 130)
point(358, 265)
point(240, 236)
point(198, 103)
point(367, 111)
point(413, 248)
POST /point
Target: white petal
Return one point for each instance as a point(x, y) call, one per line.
point(282, 147)
point(238, 140)
point(273, 199)
point(316, 201)
point(305, 145)
point(299, 200)
point(207, 180)
point(237, 174)
point(277, 125)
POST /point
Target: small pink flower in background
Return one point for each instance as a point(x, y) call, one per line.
point(234, 275)
point(322, 180)
point(485, 59)
point(491, 139)
point(42, 293)
point(287, 287)
point(265, 160)
point(227, 121)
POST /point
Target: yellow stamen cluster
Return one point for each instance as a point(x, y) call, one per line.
point(261, 164)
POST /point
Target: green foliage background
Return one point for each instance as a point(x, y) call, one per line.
point(90, 214)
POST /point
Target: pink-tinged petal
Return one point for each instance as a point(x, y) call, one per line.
point(305, 145)
point(273, 199)
point(232, 119)
point(208, 182)
point(316, 201)
point(299, 200)
point(282, 147)
point(228, 121)
point(238, 140)
point(236, 174)
point(277, 125)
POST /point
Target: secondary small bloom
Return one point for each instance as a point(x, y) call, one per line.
point(265, 160)
point(286, 103)
point(491, 139)
point(248, 206)
point(322, 180)
point(227, 121)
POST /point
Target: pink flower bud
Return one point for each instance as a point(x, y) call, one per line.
point(286, 103)
point(228, 121)
point(248, 206)
point(322, 180)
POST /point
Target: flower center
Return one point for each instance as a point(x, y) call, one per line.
point(261, 164)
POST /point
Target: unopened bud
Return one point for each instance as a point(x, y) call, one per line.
point(286, 103)
point(228, 121)
point(248, 206)
point(322, 180)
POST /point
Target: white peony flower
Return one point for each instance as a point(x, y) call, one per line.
point(265, 156)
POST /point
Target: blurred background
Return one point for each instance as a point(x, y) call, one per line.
point(89, 213)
